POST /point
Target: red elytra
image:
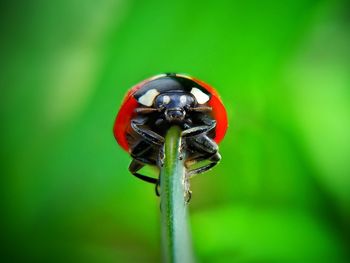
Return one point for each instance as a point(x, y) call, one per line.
point(129, 104)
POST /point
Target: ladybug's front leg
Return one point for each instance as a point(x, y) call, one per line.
point(148, 135)
point(209, 125)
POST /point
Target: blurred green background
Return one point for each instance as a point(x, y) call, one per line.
point(282, 190)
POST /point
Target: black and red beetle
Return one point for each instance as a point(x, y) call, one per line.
point(155, 104)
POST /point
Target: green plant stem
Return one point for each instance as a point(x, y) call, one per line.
point(176, 241)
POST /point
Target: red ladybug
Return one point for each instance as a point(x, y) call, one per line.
point(155, 104)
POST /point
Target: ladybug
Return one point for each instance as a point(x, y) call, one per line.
point(151, 107)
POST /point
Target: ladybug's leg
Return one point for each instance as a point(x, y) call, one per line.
point(139, 153)
point(140, 159)
point(208, 151)
point(204, 147)
point(148, 135)
point(135, 166)
point(209, 124)
point(214, 159)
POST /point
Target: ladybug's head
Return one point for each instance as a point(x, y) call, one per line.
point(173, 97)
point(174, 105)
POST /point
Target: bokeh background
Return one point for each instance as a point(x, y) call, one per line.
point(282, 190)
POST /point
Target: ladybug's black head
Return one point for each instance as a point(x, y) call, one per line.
point(172, 96)
point(174, 105)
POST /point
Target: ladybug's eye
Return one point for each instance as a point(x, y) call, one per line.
point(166, 99)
